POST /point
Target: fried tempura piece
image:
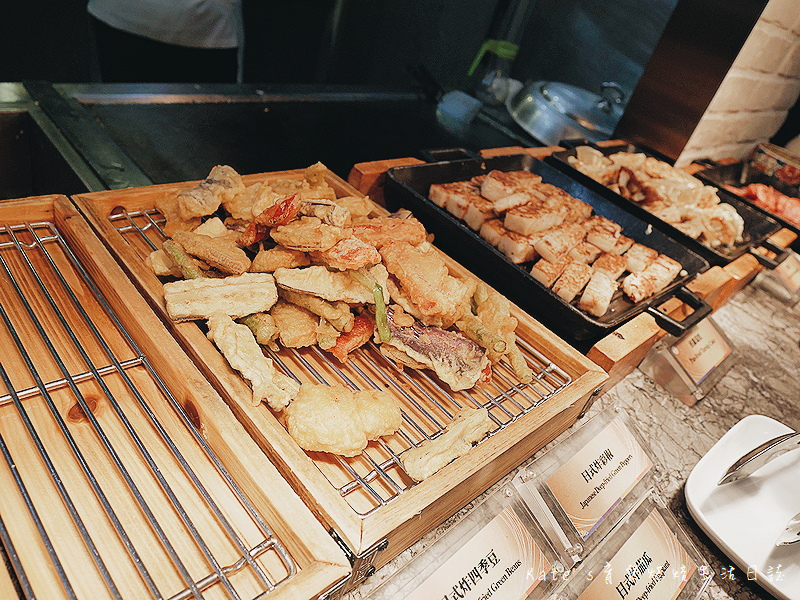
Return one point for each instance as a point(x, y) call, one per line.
point(271, 259)
point(425, 281)
point(219, 253)
point(223, 183)
point(468, 427)
point(237, 344)
point(162, 264)
point(296, 325)
point(340, 420)
point(358, 335)
point(494, 324)
point(188, 266)
point(235, 296)
point(337, 313)
point(380, 231)
point(263, 327)
point(307, 234)
point(328, 211)
point(359, 207)
point(349, 253)
point(332, 285)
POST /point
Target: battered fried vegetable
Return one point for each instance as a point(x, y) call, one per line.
point(219, 253)
point(187, 265)
point(263, 327)
point(337, 314)
point(237, 344)
point(340, 420)
point(236, 296)
point(468, 427)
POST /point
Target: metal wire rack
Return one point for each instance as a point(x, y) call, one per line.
point(376, 477)
point(108, 488)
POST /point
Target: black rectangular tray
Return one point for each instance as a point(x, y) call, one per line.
point(758, 226)
point(735, 174)
point(407, 187)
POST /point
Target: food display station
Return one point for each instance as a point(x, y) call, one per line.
point(102, 163)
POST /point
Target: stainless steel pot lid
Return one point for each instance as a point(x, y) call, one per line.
point(592, 111)
point(552, 111)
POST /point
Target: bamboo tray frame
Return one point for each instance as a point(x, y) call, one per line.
point(192, 416)
point(421, 507)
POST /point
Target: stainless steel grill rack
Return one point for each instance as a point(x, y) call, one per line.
point(376, 477)
point(103, 470)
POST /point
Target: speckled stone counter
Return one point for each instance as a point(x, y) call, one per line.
point(763, 380)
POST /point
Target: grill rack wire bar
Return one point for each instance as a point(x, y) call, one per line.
point(507, 401)
point(193, 589)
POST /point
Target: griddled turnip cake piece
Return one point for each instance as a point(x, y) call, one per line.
point(658, 275)
point(638, 256)
point(479, 210)
point(547, 272)
point(517, 247)
point(441, 193)
point(558, 241)
point(585, 252)
point(492, 231)
point(602, 232)
point(529, 218)
point(597, 296)
point(611, 264)
point(622, 245)
point(572, 280)
point(499, 184)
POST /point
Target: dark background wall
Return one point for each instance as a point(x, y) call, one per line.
point(289, 41)
point(582, 42)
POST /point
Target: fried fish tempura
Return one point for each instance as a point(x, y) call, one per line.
point(235, 296)
point(437, 297)
point(468, 428)
point(340, 420)
point(237, 344)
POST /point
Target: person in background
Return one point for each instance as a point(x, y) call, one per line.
point(167, 41)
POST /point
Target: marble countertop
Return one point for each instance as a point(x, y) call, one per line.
point(765, 334)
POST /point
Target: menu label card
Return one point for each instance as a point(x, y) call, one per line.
point(591, 483)
point(789, 272)
point(501, 561)
point(701, 350)
point(651, 564)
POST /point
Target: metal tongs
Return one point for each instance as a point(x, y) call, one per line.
point(757, 458)
point(760, 456)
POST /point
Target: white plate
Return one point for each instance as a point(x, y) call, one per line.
point(746, 517)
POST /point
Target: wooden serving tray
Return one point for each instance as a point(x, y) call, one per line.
point(123, 473)
point(368, 502)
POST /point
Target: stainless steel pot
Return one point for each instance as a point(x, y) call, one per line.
point(552, 111)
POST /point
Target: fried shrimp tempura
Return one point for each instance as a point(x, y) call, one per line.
point(239, 346)
point(340, 420)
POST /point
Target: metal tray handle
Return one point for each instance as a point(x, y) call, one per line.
point(677, 328)
point(767, 262)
